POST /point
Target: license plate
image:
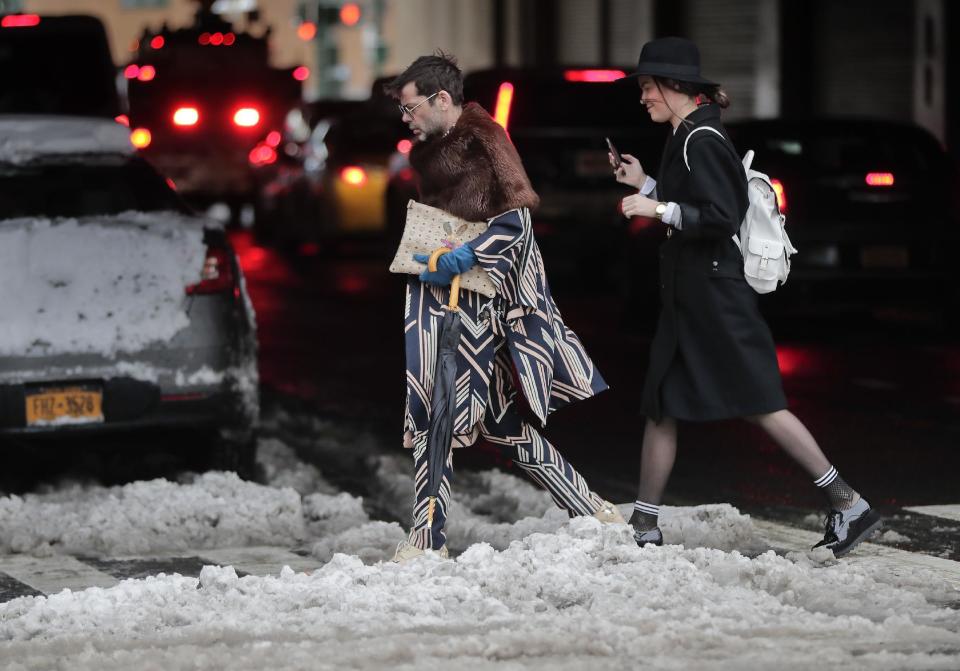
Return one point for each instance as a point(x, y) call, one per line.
point(64, 405)
point(884, 257)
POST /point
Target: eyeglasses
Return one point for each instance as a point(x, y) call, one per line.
point(409, 110)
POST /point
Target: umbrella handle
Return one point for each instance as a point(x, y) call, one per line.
point(454, 283)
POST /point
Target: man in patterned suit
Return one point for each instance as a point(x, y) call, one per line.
point(468, 167)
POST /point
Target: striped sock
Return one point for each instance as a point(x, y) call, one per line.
point(841, 495)
point(644, 516)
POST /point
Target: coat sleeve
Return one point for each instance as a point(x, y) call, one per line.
point(716, 198)
point(501, 247)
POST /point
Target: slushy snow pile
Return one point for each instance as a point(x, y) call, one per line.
point(537, 592)
point(122, 289)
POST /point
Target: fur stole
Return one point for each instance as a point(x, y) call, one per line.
point(474, 171)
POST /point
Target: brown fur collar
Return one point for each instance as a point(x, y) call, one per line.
point(474, 171)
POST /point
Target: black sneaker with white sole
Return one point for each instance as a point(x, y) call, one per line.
point(650, 536)
point(845, 529)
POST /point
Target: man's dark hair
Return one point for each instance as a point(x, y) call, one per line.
point(431, 74)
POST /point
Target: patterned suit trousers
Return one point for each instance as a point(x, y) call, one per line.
point(504, 427)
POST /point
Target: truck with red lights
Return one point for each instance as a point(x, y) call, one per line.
point(200, 98)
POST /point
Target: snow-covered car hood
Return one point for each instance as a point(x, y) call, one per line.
point(28, 138)
point(101, 285)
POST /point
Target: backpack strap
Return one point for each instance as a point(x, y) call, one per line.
point(690, 134)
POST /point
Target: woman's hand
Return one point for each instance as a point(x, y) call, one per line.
point(639, 206)
point(630, 171)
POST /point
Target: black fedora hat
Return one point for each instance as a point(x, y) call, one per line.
point(671, 58)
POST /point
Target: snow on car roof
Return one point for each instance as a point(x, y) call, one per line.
point(28, 138)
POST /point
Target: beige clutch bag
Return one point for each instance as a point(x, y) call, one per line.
point(428, 228)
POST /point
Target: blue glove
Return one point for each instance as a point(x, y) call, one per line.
point(452, 263)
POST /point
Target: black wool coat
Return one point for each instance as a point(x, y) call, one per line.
point(712, 355)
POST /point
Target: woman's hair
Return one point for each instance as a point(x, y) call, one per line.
point(713, 93)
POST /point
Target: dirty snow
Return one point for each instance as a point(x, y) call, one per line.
point(122, 289)
point(531, 589)
point(27, 138)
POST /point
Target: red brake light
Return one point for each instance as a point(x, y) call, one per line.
point(157, 42)
point(204, 39)
point(354, 176)
point(171, 184)
point(781, 195)
point(246, 117)
point(594, 75)
point(273, 138)
point(216, 39)
point(216, 276)
point(262, 154)
point(20, 21)
point(350, 14)
point(302, 73)
point(229, 39)
point(131, 71)
point(141, 138)
point(501, 112)
point(879, 179)
point(306, 31)
point(123, 120)
point(186, 116)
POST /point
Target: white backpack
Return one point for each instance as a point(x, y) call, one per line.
point(763, 240)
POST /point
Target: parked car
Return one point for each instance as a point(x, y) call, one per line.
point(327, 187)
point(120, 308)
point(56, 65)
point(558, 119)
point(869, 206)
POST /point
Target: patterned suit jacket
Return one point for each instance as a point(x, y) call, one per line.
point(550, 362)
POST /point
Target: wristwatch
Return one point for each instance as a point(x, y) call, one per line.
point(660, 210)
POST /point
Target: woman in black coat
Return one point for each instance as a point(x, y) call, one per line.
point(712, 356)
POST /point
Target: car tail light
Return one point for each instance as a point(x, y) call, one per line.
point(20, 21)
point(229, 39)
point(501, 112)
point(171, 184)
point(594, 75)
point(354, 176)
point(204, 39)
point(147, 73)
point(246, 117)
point(123, 120)
point(186, 116)
point(217, 273)
point(131, 71)
point(781, 195)
point(273, 138)
point(262, 154)
point(879, 179)
point(141, 138)
point(216, 39)
point(302, 73)
point(157, 42)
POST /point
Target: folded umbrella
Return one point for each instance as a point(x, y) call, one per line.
point(444, 397)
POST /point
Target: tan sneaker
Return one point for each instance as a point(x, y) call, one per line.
point(407, 551)
point(608, 514)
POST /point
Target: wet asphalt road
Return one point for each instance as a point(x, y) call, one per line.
point(882, 398)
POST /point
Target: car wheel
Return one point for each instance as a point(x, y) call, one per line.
point(236, 452)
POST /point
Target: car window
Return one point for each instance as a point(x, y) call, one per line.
point(79, 190)
point(60, 66)
point(835, 152)
point(554, 102)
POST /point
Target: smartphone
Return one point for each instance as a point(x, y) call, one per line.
point(617, 161)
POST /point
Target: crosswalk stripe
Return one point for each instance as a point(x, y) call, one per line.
point(54, 574)
point(949, 512)
point(879, 557)
point(259, 561)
